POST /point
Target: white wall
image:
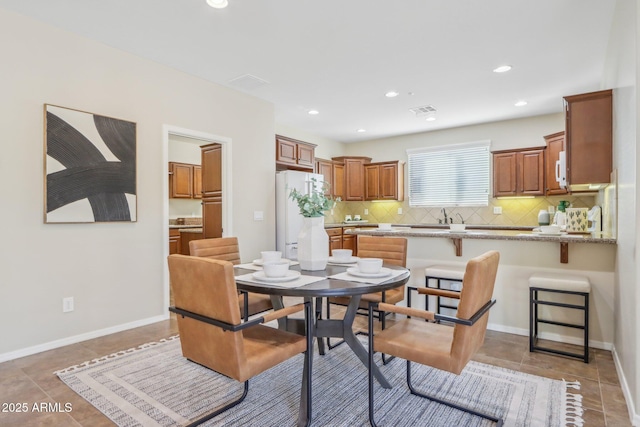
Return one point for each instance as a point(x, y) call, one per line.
point(621, 74)
point(113, 270)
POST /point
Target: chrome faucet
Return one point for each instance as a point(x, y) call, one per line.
point(461, 219)
point(444, 212)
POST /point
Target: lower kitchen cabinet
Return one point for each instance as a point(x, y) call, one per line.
point(174, 241)
point(335, 238)
point(349, 241)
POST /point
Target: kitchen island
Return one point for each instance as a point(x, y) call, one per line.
point(522, 253)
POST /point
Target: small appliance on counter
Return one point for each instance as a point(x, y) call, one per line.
point(595, 219)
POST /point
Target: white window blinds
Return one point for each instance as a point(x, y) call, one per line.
point(453, 175)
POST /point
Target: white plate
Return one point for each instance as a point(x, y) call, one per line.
point(458, 232)
point(260, 262)
point(384, 272)
point(351, 260)
point(540, 233)
point(291, 275)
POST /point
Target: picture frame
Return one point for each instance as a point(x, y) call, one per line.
point(89, 167)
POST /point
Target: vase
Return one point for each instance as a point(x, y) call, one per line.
point(313, 244)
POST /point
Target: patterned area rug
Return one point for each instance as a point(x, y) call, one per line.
point(154, 385)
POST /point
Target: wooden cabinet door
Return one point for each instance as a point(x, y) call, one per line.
point(180, 180)
point(286, 151)
point(530, 166)
point(305, 155)
point(212, 191)
point(389, 188)
point(371, 182)
point(197, 182)
point(589, 127)
point(174, 241)
point(325, 168)
point(354, 179)
point(504, 174)
point(349, 240)
point(338, 180)
point(555, 144)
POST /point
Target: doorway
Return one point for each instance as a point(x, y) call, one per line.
point(171, 134)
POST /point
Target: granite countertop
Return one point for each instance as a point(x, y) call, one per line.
point(196, 229)
point(183, 226)
point(485, 232)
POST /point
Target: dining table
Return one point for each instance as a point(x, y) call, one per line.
point(336, 280)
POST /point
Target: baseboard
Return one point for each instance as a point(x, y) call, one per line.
point(79, 338)
point(628, 397)
point(550, 336)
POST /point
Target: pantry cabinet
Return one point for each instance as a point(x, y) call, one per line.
point(518, 172)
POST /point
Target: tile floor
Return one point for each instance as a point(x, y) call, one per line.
point(30, 379)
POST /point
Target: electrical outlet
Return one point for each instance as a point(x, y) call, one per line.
point(67, 304)
point(399, 211)
point(497, 210)
point(258, 216)
point(366, 211)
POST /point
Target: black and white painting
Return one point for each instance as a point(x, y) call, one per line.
point(90, 167)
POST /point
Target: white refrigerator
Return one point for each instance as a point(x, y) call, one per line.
point(288, 217)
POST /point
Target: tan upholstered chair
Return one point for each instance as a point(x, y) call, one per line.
point(227, 249)
point(437, 345)
point(212, 333)
point(393, 251)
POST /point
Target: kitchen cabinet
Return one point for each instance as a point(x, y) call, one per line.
point(588, 127)
point(349, 241)
point(354, 181)
point(185, 181)
point(174, 241)
point(384, 181)
point(294, 154)
point(335, 238)
point(555, 145)
point(187, 235)
point(518, 172)
point(211, 191)
point(333, 173)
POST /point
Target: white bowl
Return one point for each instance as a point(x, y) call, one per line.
point(342, 254)
point(457, 227)
point(275, 268)
point(550, 229)
point(369, 265)
point(271, 256)
point(384, 226)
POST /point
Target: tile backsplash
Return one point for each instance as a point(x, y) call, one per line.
point(515, 211)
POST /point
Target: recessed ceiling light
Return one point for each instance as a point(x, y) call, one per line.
point(391, 94)
point(313, 112)
point(218, 4)
point(430, 118)
point(502, 69)
point(361, 130)
point(520, 103)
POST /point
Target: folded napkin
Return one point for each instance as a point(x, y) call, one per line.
point(300, 281)
point(374, 280)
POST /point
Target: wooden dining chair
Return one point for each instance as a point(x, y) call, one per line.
point(434, 344)
point(393, 251)
point(227, 249)
point(213, 334)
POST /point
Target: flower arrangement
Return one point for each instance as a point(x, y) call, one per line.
point(313, 204)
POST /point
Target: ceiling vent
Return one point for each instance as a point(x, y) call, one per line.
point(247, 82)
point(423, 111)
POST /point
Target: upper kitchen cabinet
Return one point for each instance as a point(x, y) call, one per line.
point(518, 172)
point(555, 146)
point(384, 181)
point(354, 180)
point(185, 181)
point(333, 173)
point(589, 124)
point(294, 154)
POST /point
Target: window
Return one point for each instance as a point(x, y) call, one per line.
point(452, 175)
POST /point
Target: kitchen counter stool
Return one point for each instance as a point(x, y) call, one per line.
point(559, 284)
point(449, 273)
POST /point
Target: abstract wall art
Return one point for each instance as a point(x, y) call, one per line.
point(90, 167)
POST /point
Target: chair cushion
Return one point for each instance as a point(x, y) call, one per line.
point(445, 271)
point(418, 341)
point(265, 347)
point(563, 282)
point(257, 303)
